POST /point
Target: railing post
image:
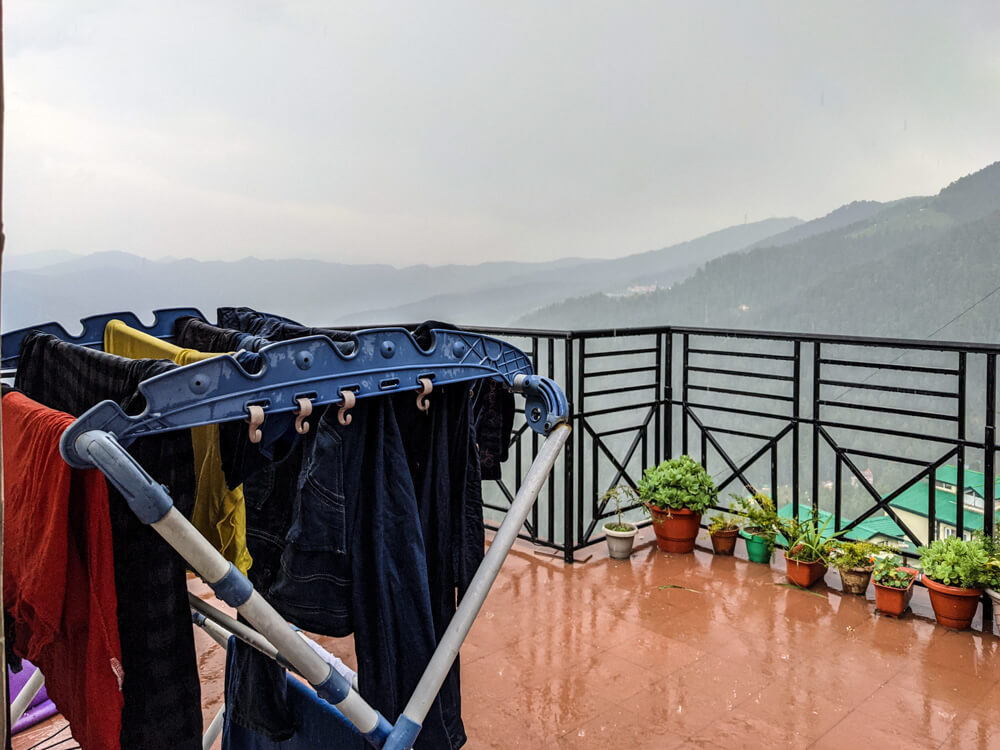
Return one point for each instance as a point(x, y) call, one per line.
point(796, 412)
point(684, 397)
point(668, 395)
point(581, 387)
point(989, 467)
point(569, 458)
point(815, 414)
point(960, 458)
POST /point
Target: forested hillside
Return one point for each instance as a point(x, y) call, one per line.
point(905, 270)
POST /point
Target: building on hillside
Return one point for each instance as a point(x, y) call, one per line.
point(912, 508)
point(912, 505)
point(879, 529)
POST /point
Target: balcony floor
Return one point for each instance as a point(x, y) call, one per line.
point(606, 654)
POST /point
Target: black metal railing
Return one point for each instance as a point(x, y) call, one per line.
point(848, 426)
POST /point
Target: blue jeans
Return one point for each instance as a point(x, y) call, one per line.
point(386, 522)
point(313, 723)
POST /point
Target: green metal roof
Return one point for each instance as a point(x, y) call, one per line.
point(914, 500)
point(870, 527)
point(974, 480)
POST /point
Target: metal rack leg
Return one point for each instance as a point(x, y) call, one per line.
point(31, 688)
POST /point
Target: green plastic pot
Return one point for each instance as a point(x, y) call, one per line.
point(757, 549)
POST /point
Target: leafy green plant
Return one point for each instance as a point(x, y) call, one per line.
point(888, 573)
point(618, 494)
point(808, 541)
point(849, 555)
point(991, 544)
point(762, 517)
point(719, 522)
point(956, 562)
point(678, 484)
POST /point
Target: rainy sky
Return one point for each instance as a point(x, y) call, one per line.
point(469, 131)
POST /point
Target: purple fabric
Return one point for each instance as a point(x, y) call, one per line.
point(40, 708)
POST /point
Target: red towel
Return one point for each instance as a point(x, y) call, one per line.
point(58, 573)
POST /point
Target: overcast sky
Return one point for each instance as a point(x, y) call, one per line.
point(467, 131)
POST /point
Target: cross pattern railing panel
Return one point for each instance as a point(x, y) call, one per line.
point(858, 428)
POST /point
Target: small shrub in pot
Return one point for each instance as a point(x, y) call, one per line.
point(855, 562)
point(992, 577)
point(675, 494)
point(893, 585)
point(809, 547)
point(954, 572)
point(723, 532)
point(761, 527)
point(619, 533)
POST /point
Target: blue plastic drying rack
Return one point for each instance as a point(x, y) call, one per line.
point(382, 361)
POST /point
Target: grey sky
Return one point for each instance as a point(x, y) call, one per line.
point(467, 131)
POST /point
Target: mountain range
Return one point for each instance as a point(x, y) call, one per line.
point(64, 287)
point(913, 267)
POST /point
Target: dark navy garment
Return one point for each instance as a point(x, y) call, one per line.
point(313, 723)
point(195, 333)
point(275, 328)
point(440, 450)
point(387, 516)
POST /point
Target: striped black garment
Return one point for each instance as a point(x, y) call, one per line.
point(194, 333)
point(162, 694)
point(276, 328)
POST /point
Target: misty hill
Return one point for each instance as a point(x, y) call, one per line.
point(904, 270)
point(844, 216)
point(319, 292)
point(486, 305)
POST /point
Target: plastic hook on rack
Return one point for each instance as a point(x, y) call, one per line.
point(425, 390)
point(305, 409)
point(256, 420)
point(349, 400)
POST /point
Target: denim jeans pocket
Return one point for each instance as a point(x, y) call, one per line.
point(257, 487)
point(320, 522)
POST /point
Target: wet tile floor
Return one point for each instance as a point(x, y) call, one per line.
point(673, 651)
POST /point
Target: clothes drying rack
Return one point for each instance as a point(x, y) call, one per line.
point(295, 376)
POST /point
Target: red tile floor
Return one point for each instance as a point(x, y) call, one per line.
point(673, 651)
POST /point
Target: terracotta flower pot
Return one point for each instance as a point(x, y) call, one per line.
point(954, 607)
point(855, 580)
point(892, 601)
point(724, 542)
point(675, 529)
point(804, 574)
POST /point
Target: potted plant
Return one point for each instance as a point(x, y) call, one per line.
point(723, 533)
point(893, 585)
point(992, 547)
point(954, 571)
point(855, 562)
point(761, 526)
point(808, 549)
point(619, 534)
point(675, 493)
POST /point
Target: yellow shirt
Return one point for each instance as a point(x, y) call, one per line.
point(219, 513)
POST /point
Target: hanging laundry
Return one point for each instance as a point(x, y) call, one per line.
point(195, 333)
point(59, 576)
point(350, 557)
point(219, 512)
point(276, 328)
point(314, 723)
point(162, 694)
